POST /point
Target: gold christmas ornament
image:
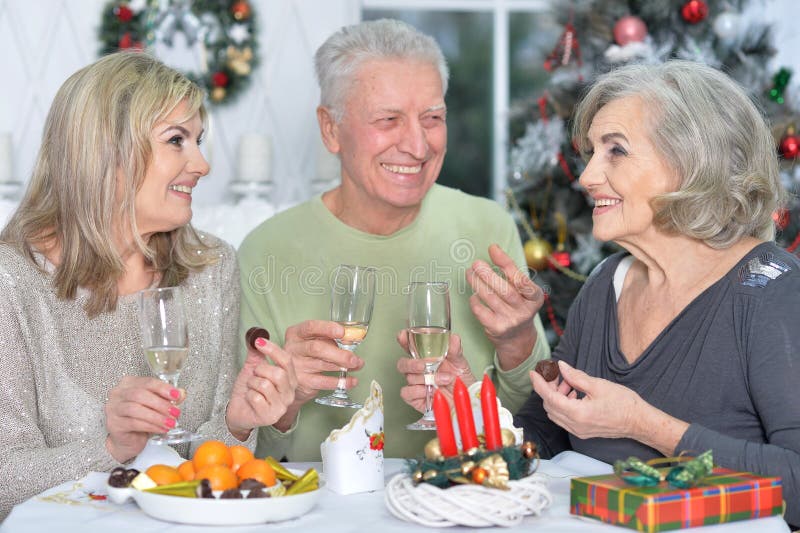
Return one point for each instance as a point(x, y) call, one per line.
point(496, 471)
point(537, 251)
point(430, 474)
point(507, 437)
point(433, 450)
point(218, 94)
point(467, 467)
point(529, 450)
point(417, 476)
point(239, 60)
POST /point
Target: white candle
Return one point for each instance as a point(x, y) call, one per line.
point(6, 172)
point(254, 158)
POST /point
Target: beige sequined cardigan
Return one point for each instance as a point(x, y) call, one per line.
point(57, 366)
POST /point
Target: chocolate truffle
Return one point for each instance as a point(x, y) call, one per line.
point(548, 369)
point(231, 494)
point(254, 333)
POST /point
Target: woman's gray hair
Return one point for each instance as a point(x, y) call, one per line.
point(338, 59)
point(715, 139)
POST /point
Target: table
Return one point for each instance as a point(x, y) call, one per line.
point(357, 513)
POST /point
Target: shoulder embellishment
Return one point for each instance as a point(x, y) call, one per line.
point(761, 270)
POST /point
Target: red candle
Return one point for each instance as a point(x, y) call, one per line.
point(491, 422)
point(444, 426)
point(466, 424)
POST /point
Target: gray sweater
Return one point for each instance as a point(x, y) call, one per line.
point(729, 364)
point(57, 366)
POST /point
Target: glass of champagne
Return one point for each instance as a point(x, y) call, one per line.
point(165, 338)
point(352, 300)
point(428, 337)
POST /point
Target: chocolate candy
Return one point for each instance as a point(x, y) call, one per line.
point(204, 489)
point(117, 478)
point(254, 333)
point(231, 494)
point(257, 493)
point(548, 369)
point(251, 484)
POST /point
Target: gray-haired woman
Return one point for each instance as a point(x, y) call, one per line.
point(689, 341)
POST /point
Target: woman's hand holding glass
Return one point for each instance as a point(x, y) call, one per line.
point(136, 408)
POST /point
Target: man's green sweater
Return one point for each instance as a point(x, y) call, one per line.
point(286, 264)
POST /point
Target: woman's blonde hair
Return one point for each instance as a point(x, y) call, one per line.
point(713, 136)
point(98, 128)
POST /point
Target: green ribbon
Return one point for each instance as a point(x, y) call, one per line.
point(636, 472)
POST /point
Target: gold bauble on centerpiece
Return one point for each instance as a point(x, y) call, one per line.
point(537, 251)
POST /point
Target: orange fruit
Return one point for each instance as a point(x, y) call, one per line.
point(163, 474)
point(220, 477)
point(240, 456)
point(186, 470)
point(257, 469)
point(212, 452)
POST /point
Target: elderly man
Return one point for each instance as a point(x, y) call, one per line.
point(383, 113)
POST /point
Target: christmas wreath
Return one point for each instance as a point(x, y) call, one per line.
point(225, 31)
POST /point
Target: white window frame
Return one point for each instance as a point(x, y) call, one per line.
point(500, 10)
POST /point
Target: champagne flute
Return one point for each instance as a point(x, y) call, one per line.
point(352, 300)
point(428, 337)
point(165, 338)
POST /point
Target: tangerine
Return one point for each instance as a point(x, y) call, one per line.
point(212, 452)
point(186, 470)
point(257, 469)
point(220, 477)
point(163, 474)
point(240, 455)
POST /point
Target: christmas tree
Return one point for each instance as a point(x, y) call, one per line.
point(553, 212)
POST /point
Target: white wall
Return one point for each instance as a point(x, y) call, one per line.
point(44, 41)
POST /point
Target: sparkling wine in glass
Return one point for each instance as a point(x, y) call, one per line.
point(165, 338)
point(428, 337)
point(352, 300)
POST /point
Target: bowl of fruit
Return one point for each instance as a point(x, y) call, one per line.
point(220, 485)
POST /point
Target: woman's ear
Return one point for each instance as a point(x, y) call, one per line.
point(328, 129)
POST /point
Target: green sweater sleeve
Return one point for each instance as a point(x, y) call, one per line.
point(514, 385)
point(254, 311)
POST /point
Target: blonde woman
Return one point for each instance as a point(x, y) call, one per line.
point(107, 214)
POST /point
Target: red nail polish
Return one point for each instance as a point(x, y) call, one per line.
point(175, 393)
point(174, 411)
point(261, 342)
point(169, 422)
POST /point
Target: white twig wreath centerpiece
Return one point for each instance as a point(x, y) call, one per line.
point(222, 31)
point(491, 482)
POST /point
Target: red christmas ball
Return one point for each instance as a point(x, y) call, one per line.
point(126, 41)
point(694, 11)
point(562, 258)
point(790, 146)
point(219, 79)
point(629, 29)
point(241, 10)
point(124, 13)
point(781, 218)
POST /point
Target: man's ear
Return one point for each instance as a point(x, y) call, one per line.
point(328, 129)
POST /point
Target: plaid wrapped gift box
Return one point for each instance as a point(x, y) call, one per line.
point(723, 496)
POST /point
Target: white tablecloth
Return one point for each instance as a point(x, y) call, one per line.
point(358, 513)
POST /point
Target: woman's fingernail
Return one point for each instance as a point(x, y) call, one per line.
point(174, 411)
point(261, 342)
point(169, 422)
point(175, 393)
